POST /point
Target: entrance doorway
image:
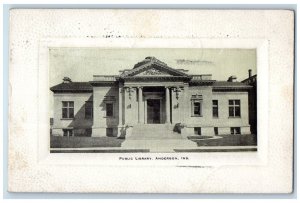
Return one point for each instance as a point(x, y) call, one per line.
point(153, 111)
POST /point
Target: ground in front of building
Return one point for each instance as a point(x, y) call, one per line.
point(222, 143)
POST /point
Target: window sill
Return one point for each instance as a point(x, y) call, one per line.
point(108, 117)
point(234, 117)
point(66, 118)
point(197, 116)
point(215, 117)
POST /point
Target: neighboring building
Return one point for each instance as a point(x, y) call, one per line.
point(150, 94)
point(252, 98)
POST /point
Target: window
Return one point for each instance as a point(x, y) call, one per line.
point(235, 130)
point(216, 130)
point(197, 109)
point(196, 102)
point(51, 121)
point(109, 109)
point(109, 132)
point(88, 109)
point(215, 108)
point(68, 132)
point(197, 131)
point(234, 108)
point(67, 109)
point(88, 132)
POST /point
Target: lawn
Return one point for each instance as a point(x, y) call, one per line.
point(227, 140)
point(101, 151)
point(86, 142)
point(217, 150)
point(82, 142)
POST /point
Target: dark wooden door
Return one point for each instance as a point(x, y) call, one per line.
point(153, 111)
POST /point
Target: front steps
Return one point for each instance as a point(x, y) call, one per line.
point(157, 138)
point(153, 132)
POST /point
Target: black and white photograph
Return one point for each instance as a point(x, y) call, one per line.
point(171, 100)
point(151, 101)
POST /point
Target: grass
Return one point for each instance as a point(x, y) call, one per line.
point(81, 142)
point(216, 150)
point(228, 140)
point(102, 151)
point(86, 142)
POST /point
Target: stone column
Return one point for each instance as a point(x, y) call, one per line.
point(167, 105)
point(127, 104)
point(185, 105)
point(131, 112)
point(140, 104)
point(125, 92)
point(120, 105)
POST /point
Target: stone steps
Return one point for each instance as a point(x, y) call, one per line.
point(166, 145)
point(156, 138)
point(153, 131)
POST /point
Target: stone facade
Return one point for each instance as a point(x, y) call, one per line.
point(152, 93)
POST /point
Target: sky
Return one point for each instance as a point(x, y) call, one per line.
point(80, 64)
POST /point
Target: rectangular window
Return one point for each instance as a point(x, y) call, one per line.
point(234, 108)
point(88, 109)
point(109, 109)
point(235, 130)
point(109, 132)
point(215, 108)
point(67, 109)
point(68, 132)
point(197, 131)
point(88, 132)
point(196, 104)
point(197, 109)
point(216, 130)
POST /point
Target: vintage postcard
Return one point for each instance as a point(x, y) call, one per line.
point(118, 101)
point(152, 100)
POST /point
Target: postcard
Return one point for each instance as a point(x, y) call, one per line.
point(151, 101)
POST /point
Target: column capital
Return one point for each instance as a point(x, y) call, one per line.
point(129, 90)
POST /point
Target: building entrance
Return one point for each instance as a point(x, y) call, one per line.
point(153, 111)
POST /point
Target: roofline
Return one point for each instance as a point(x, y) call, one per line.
point(72, 91)
point(149, 64)
point(108, 75)
point(221, 88)
point(249, 78)
point(201, 82)
point(103, 83)
point(157, 78)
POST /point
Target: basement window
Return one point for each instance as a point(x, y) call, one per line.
point(109, 132)
point(235, 130)
point(68, 132)
point(197, 131)
point(216, 130)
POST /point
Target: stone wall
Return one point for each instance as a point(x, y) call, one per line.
point(79, 123)
point(103, 95)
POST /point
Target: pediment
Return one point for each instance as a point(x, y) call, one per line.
point(152, 71)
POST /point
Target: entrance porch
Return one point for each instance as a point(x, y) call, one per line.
point(155, 107)
point(147, 105)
